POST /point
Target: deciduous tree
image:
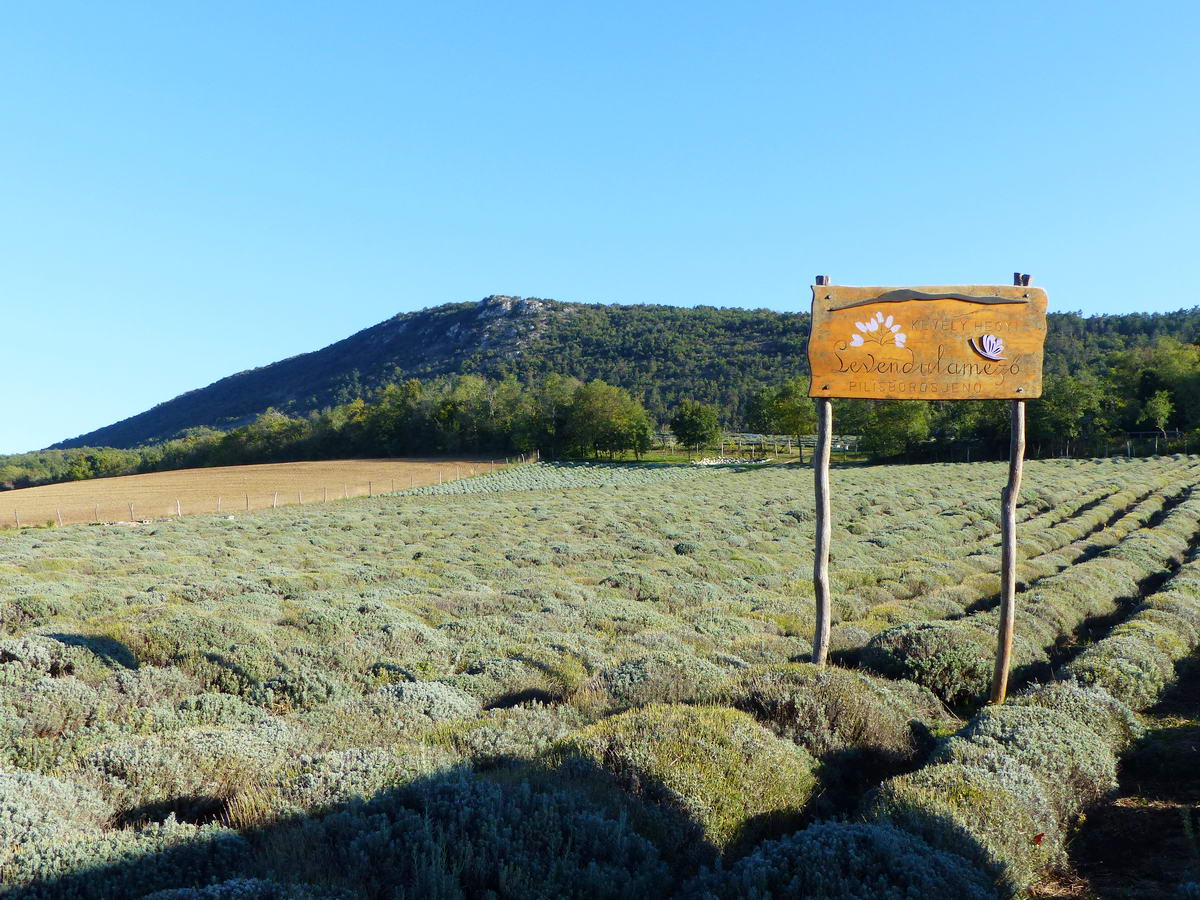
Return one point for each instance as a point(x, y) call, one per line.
point(695, 424)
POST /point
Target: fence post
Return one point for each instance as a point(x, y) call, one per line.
point(1008, 552)
point(59, 511)
point(275, 500)
point(824, 530)
point(1008, 543)
point(130, 512)
point(218, 504)
point(178, 508)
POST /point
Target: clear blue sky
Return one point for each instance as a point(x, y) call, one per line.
point(191, 189)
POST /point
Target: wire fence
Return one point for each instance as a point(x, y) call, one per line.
point(738, 444)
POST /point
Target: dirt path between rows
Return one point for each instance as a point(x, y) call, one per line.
point(1146, 841)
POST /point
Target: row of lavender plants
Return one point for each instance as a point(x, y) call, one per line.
point(1005, 789)
point(954, 658)
point(1044, 549)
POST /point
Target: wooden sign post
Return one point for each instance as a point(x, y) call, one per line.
point(939, 342)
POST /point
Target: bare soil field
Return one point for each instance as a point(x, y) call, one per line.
point(226, 489)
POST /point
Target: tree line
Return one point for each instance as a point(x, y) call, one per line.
point(1152, 388)
point(452, 415)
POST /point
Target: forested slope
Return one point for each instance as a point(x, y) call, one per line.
point(660, 353)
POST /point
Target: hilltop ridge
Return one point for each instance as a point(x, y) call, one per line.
point(660, 353)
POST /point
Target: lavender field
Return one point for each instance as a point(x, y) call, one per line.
point(587, 680)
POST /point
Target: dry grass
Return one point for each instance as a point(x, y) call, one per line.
point(238, 487)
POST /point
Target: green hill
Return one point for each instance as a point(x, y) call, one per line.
point(660, 353)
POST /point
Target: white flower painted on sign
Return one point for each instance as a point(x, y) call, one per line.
point(988, 346)
point(878, 330)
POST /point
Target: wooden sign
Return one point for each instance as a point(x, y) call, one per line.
point(957, 342)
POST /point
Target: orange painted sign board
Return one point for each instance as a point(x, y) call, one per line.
point(939, 342)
